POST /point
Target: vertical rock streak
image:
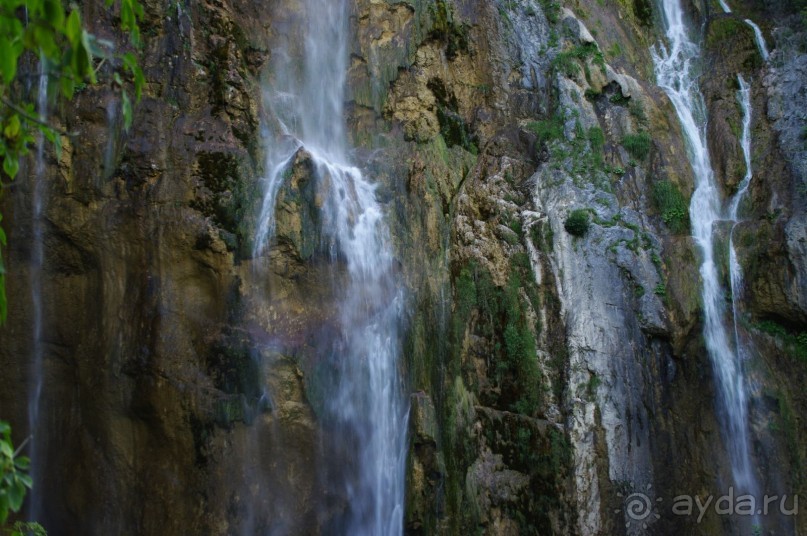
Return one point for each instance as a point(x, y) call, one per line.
point(366, 408)
point(675, 67)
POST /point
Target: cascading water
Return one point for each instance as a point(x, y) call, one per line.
point(735, 270)
point(675, 67)
point(35, 429)
point(763, 47)
point(366, 407)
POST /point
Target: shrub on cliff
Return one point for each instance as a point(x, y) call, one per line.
point(577, 223)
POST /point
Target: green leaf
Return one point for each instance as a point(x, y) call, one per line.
point(8, 61)
point(5, 448)
point(72, 28)
point(129, 61)
point(16, 494)
point(87, 55)
point(126, 110)
point(26, 480)
point(3, 242)
point(22, 462)
point(11, 165)
point(45, 42)
point(68, 86)
point(127, 20)
point(12, 129)
point(53, 137)
point(54, 13)
point(3, 507)
point(139, 79)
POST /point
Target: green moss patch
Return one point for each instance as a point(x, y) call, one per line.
point(672, 205)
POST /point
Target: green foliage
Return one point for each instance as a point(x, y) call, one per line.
point(795, 343)
point(455, 131)
point(597, 138)
point(446, 29)
point(41, 31)
point(27, 528)
point(577, 224)
point(547, 130)
point(594, 382)
point(514, 346)
point(637, 111)
point(567, 61)
point(723, 30)
point(672, 205)
point(14, 482)
point(619, 99)
point(643, 9)
point(551, 10)
point(637, 145)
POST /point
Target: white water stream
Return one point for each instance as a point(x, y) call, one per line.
point(35, 428)
point(367, 407)
point(676, 72)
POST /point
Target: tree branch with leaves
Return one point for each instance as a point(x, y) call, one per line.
point(14, 484)
point(43, 33)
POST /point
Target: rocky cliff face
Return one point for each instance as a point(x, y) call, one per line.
point(554, 368)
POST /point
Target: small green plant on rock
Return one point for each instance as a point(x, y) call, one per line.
point(547, 130)
point(672, 205)
point(578, 223)
point(551, 9)
point(637, 145)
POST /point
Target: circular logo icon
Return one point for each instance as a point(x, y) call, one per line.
point(638, 506)
point(639, 509)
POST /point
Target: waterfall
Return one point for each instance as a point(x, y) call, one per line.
point(763, 47)
point(35, 428)
point(744, 97)
point(735, 270)
point(366, 406)
point(675, 67)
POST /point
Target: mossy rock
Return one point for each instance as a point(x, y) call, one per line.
point(224, 194)
point(731, 45)
point(236, 372)
point(297, 212)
